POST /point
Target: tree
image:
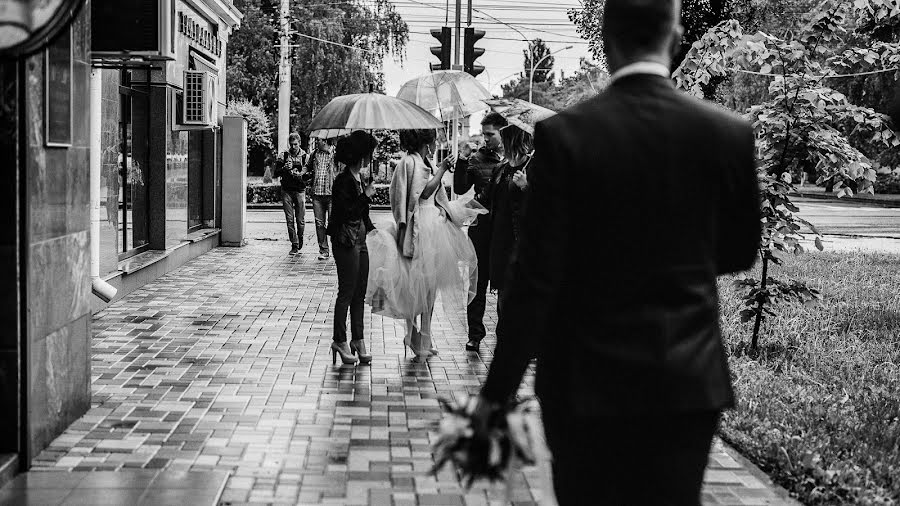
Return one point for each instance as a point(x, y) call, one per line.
point(320, 70)
point(697, 16)
point(578, 87)
point(543, 94)
point(801, 124)
point(536, 52)
point(259, 132)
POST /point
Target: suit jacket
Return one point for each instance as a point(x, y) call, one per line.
point(638, 199)
point(507, 208)
point(348, 204)
point(482, 166)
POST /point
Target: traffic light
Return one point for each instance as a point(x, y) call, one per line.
point(471, 52)
point(443, 51)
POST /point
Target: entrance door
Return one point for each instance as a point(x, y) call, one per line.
point(133, 168)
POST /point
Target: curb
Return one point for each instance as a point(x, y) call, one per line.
point(758, 473)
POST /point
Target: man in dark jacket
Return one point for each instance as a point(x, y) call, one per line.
point(615, 291)
point(290, 168)
point(478, 173)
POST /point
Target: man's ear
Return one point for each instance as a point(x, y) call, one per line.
point(677, 37)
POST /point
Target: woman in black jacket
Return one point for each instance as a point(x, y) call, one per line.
point(507, 200)
point(348, 227)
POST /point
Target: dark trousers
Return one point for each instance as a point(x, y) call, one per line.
point(294, 204)
point(353, 275)
point(605, 460)
point(321, 211)
point(481, 239)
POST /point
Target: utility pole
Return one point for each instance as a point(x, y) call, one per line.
point(284, 79)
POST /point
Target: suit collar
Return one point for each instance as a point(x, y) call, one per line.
point(640, 68)
point(642, 74)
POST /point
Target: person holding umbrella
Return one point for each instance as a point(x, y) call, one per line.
point(348, 227)
point(424, 252)
point(507, 191)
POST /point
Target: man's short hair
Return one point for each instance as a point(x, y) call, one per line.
point(639, 26)
point(294, 137)
point(494, 119)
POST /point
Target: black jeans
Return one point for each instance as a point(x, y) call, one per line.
point(597, 460)
point(353, 276)
point(481, 239)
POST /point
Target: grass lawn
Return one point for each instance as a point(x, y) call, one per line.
point(819, 408)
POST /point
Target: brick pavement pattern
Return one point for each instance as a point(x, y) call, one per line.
point(224, 365)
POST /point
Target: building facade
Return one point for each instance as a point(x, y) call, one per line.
point(161, 104)
point(111, 133)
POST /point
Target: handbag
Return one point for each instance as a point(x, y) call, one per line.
point(349, 233)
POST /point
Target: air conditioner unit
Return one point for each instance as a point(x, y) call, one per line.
point(200, 99)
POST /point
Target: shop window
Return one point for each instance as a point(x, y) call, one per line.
point(124, 229)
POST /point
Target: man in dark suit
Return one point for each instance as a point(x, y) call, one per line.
point(477, 173)
point(640, 197)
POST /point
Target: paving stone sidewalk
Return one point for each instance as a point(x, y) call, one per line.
point(224, 365)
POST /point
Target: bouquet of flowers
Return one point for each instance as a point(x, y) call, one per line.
point(506, 440)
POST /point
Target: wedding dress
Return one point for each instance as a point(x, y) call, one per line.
point(432, 258)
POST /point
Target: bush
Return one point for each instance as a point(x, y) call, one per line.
point(888, 184)
point(271, 194)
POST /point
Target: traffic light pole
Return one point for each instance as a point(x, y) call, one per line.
point(454, 125)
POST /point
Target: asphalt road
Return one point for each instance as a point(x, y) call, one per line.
point(850, 218)
point(846, 224)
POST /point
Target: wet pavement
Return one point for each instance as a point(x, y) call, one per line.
point(224, 366)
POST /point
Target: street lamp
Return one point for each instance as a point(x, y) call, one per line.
point(534, 66)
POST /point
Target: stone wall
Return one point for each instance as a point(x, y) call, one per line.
point(58, 261)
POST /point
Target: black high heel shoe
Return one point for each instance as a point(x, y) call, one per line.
point(358, 348)
point(344, 351)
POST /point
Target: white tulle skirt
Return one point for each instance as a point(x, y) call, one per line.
point(444, 265)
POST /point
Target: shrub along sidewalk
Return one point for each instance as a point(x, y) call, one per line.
point(269, 195)
point(818, 408)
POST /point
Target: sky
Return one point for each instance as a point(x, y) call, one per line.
point(502, 59)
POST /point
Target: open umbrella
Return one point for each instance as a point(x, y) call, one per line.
point(519, 113)
point(369, 111)
point(453, 93)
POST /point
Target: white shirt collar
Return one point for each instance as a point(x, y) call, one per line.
point(641, 67)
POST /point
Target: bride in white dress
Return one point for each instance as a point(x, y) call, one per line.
point(425, 252)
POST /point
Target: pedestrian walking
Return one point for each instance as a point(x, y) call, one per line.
point(290, 169)
point(481, 167)
point(321, 166)
point(424, 253)
point(631, 370)
point(348, 227)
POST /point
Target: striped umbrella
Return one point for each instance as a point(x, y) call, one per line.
point(519, 112)
point(369, 111)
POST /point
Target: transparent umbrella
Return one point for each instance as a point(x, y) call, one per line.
point(452, 93)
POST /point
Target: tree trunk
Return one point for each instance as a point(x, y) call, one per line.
point(759, 307)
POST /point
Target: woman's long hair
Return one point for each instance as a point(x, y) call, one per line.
point(516, 142)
